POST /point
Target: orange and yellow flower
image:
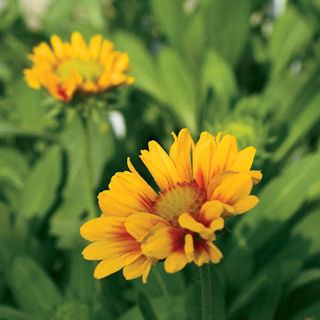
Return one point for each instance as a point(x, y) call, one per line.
point(200, 185)
point(67, 68)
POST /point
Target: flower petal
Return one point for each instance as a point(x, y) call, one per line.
point(160, 166)
point(175, 261)
point(109, 266)
point(139, 224)
point(94, 46)
point(137, 268)
point(159, 242)
point(244, 160)
point(180, 153)
point(187, 221)
point(233, 189)
point(245, 204)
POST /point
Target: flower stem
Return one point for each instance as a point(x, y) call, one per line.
point(206, 291)
point(87, 167)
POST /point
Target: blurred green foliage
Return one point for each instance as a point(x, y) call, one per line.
point(235, 66)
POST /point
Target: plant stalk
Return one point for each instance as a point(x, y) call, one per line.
point(206, 291)
point(87, 167)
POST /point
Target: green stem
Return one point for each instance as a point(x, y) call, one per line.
point(87, 167)
point(206, 291)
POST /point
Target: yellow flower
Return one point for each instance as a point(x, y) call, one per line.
point(73, 67)
point(200, 185)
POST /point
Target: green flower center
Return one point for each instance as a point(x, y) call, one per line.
point(186, 197)
point(90, 70)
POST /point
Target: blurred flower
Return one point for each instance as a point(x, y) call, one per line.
point(200, 185)
point(73, 67)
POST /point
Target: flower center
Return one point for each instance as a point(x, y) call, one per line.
point(90, 70)
point(186, 197)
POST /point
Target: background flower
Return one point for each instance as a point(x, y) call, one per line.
point(73, 67)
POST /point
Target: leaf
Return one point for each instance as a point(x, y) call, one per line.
point(8, 313)
point(146, 308)
point(160, 283)
point(290, 34)
point(144, 69)
point(311, 312)
point(267, 300)
point(308, 228)
point(171, 308)
point(180, 87)
point(171, 15)
point(218, 75)
point(29, 111)
point(81, 283)
point(32, 288)
point(227, 26)
point(41, 185)
point(245, 296)
point(303, 279)
point(279, 200)
point(300, 127)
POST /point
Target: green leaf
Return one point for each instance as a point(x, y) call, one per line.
point(171, 308)
point(41, 185)
point(300, 127)
point(217, 74)
point(81, 284)
point(269, 296)
point(160, 283)
point(308, 228)
point(227, 26)
point(29, 111)
point(290, 35)
point(8, 313)
point(144, 69)
point(279, 200)
point(146, 307)
point(180, 87)
point(32, 288)
point(171, 15)
point(312, 312)
point(303, 279)
point(246, 295)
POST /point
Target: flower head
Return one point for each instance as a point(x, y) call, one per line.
point(67, 68)
point(200, 185)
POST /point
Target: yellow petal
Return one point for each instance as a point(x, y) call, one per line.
point(214, 253)
point(255, 175)
point(140, 223)
point(180, 153)
point(175, 261)
point(109, 266)
point(245, 204)
point(79, 47)
point(94, 46)
point(233, 189)
point(102, 250)
point(210, 211)
point(58, 48)
point(202, 159)
point(189, 248)
point(160, 166)
point(187, 221)
point(201, 254)
point(160, 242)
point(136, 268)
point(106, 48)
point(225, 154)
point(217, 180)
point(121, 62)
point(103, 228)
point(31, 78)
point(244, 160)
